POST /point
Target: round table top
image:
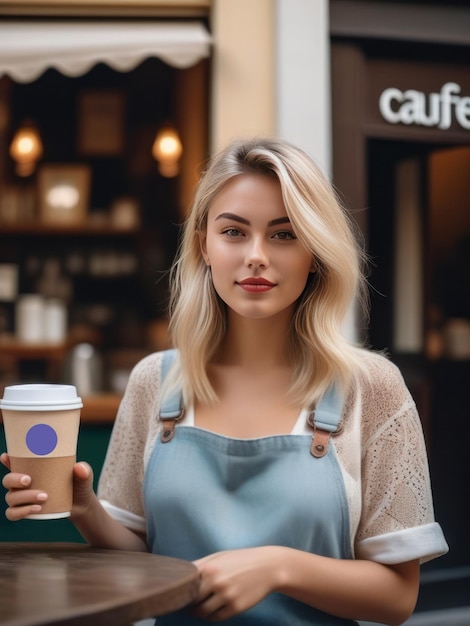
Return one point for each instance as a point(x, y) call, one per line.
point(65, 584)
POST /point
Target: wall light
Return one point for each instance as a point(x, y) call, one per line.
point(26, 149)
point(167, 150)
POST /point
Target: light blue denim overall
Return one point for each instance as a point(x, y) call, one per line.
point(205, 493)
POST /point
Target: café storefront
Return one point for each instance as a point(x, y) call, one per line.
point(401, 145)
point(400, 89)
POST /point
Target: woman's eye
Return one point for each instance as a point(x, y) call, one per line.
point(232, 232)
point(285, 235)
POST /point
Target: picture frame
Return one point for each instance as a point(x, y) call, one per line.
point(100, 124)
point(63, 193)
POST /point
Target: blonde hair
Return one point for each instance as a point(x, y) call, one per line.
point(320, 353)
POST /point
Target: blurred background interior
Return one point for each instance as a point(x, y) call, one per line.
point(108, 111)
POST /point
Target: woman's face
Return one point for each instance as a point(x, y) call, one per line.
point(259, 267)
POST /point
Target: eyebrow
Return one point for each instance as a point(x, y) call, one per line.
point(242, 220)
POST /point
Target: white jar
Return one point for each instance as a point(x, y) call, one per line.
point(29, 318)
point(55, 321)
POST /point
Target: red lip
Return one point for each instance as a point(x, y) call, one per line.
point(256, 285)
point(256, 281)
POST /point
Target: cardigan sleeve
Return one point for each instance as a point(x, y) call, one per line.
point(120, 483)
point(397, 519)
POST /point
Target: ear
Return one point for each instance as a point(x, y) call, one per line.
point(313, 266)
point(203, 246)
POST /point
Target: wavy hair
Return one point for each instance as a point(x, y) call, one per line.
point(319, 351)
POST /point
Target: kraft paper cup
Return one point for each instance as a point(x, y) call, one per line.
point(41, 430)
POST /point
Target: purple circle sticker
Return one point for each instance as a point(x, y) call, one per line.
point(41, 439)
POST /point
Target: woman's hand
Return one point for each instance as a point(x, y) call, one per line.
point(234, 581)
point(89, 517)
point(23, 501)
point(83, 493)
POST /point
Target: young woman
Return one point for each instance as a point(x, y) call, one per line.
point(286, 463)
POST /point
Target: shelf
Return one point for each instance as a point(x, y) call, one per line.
point(53, 354)
point(97, 408)
point(100, 408)
point(23, 350)
point(88, 229)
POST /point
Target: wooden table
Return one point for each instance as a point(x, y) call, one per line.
point(65, 584)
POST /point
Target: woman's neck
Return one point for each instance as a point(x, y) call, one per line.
point(255, 343)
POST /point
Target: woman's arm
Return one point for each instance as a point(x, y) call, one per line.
point(356, 589)
point(96, 526)
point(232, 582)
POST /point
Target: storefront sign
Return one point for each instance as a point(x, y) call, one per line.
point(435, 109)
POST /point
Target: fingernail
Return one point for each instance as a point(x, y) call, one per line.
point(25, 480)
point(41, 496)
point(86, 467)
point(36, 508)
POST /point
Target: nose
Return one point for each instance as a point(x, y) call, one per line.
point(256, 254)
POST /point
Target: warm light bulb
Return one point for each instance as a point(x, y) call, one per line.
point(167, 150)
point(26, 149)
point(169, 146)
point(25, 146)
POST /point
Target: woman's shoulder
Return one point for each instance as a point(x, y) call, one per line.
point(151, 369)
point(149, 366)
point(379, 384)
point(145, 375)
point(376, 368)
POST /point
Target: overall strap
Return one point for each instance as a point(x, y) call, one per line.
point(171, 409)
point(326, 421)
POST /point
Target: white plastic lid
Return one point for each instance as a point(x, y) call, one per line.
point(40, 397)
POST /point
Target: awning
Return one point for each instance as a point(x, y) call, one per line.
point(28, 48)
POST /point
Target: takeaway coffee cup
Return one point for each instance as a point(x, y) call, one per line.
point(41, 430)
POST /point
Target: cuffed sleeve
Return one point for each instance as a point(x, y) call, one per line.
point(128, 519)
point(424, 542)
